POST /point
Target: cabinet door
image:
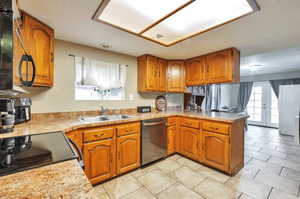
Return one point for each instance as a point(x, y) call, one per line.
point(219, 67)
point(216, 150)
point(152, 73)
point(190, 142)
point(76, 137)
point(195, 71)
point(39, 39)
point(100, 160)
point(171, 131)
point(128, 148)
point(176, 77)
point(162, 67)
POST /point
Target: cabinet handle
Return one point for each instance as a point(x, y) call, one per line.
point(214, 128)
point(52, 57)
point(98, 136)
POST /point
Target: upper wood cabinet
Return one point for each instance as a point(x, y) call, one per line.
point(223, 66)
point(176, 76)
point(100, 159)
point(39, 42)
point(216, 150)
point(195, 71)
point(128, 152)
point(162, 74)
point(151, 74)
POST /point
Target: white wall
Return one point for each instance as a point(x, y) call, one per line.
point(60, 98)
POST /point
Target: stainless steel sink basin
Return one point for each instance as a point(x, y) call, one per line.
point(103, 118)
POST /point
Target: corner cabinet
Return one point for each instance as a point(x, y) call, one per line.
point(100, 159)
point(39, 41)
point(151, 74)
point(176, 76)
point(223, 66)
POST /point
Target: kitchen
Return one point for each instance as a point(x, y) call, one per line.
point(121, 114)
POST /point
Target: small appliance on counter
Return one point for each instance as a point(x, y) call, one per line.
point(7, 115)
point(22, 109)
point(144, 109)
point(27, 152)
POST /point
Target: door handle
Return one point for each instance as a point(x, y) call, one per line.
point(153, 123)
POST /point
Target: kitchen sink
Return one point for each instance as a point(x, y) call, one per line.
point(104, 118)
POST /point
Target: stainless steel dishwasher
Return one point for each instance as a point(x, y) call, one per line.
point(154, 140)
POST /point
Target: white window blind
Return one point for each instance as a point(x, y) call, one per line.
point(99, 80)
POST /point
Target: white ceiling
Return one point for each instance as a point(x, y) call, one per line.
point(274, 28)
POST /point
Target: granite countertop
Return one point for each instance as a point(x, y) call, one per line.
point(61, 180)
point(45, 125)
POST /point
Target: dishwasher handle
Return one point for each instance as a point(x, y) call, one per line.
point(153, 123)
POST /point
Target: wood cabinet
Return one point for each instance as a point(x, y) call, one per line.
point(151, 74)
point(128, 152)
point(162, 74)
point(39, 42)
point(216, 150)
point(76, 137)
point(190, 144)
point(223, 66)
point(195, 71)
point(171, 133)
point(100, 160)
point(176, 76)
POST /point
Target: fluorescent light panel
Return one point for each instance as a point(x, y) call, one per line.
point(149, 18)
point(136, 15)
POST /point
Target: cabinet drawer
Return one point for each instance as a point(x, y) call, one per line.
point(190, 123)
point(216, 127)
point(172, 121)
point(95, 134)
point(127, 129)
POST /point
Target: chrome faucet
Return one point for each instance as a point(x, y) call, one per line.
point(103, 110)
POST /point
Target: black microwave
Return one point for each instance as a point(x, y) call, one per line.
point(11, 79)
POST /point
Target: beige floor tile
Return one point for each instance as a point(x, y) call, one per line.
point(99, 189)
point(187, 176)
point(258, 155)
point(121, 186)
point(250, 187)
point(247, 172)
point(279, 182)
point(142, 193)
point(168, 165)
point(278, 194)
point(174, 157)
point(266, 167)
point(285, 163)
point(156, 181)
point(103, 196)
point(245, 196)
point(178, 191)
point(247, 159)
point(189, 163)
point(212, 189)
point(291, 174)
point(142, 171)
point(213, 174)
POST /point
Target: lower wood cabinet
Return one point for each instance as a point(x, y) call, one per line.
point(216, 150)
point(128, 153)
point(190, 142)
point(171, 133)
point(100, 160)
point(76, 137)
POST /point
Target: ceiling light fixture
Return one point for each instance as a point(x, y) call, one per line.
point(176, 20)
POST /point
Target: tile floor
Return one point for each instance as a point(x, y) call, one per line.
point(272, 171)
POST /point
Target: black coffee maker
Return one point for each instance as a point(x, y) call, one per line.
point(7, 115)
point(22, 107)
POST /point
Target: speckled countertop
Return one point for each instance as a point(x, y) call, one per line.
point(44, 125)
point(63, 180)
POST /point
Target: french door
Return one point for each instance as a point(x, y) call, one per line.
point(263, 105)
